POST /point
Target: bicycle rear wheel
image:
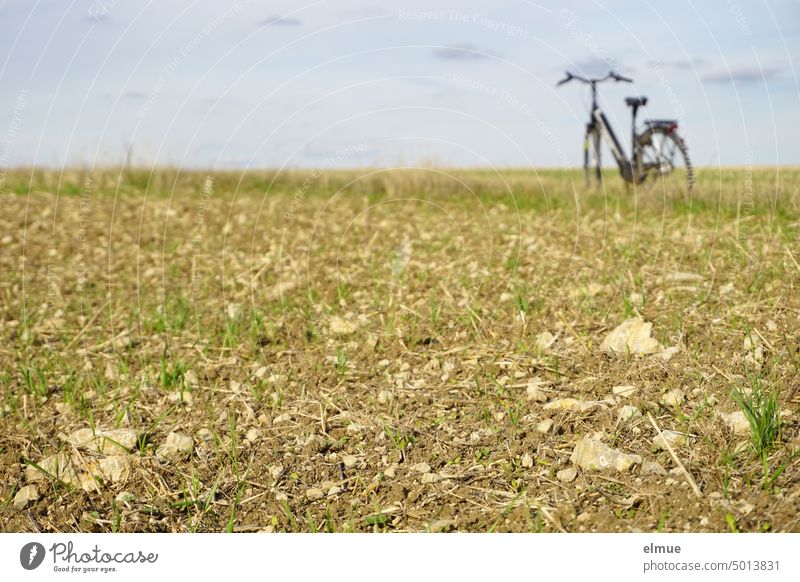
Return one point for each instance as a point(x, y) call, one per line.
point(664, 153)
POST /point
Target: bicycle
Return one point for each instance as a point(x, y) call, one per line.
point(656, 151)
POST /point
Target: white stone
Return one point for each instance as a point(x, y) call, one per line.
point(314, 493)
point(177, 446)
point(545, 425)
point(567, 475)
point(350, 461)
point(527, 461)
point(592, 455)
point(631, 337)
point(104, 441)
point(736, 421)
point(285, 417)
point(624, 391)
point(340, 326)
point(534, 390)
point(181, 397)
point(59, 466)
point(421, 468)
point(544, 340)
point(114, 469)
point(628, 412)
point(674, 397)
point(669, 437)
point(25, 495)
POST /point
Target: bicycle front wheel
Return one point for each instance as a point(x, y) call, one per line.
point(664, 153)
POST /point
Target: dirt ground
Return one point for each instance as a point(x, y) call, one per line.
point(395, 351)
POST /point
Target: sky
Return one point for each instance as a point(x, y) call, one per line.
point(356, 83)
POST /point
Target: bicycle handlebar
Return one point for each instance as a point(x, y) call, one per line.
point(610, 75)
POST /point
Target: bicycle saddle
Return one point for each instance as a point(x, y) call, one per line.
point(636, 101)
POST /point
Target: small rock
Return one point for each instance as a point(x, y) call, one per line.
point(114, 469)
point(350, 461)
point(262, 372)
point(624, 391)
point(572, 405)
point(567, 475)
point(205, 435)
point(747, 508)
point(771, 326)
point(631, 337)
point(384, 396)
point(104, 441)
point(276, 471)
point(177, 446)
point(583, 517)
point(340, 326)
point(252, 435)
point(592, 455)
point(421, 468)
point(544, 340)
point(285, 417)
point(674, 397)
point(59, 466)
point(335, 490)
point(545, 425)
point(25, 495)
point(314, 493)
point(628, 412)
point(653, 468)
point(737, 422)
point(527, 461)
point(669, 437)
point(534, 391)
point(430, 478)
point(355, 428)
point(181, 397)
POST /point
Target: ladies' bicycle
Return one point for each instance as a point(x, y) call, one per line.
point(656, 151)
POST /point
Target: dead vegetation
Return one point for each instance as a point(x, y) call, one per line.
point(398, 351)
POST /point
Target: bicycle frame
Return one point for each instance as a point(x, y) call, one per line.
point(599, 126)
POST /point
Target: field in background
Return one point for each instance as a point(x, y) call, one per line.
point(396, 351)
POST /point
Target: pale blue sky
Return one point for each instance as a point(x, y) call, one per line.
point(355, 83)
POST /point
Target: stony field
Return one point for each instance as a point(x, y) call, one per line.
point(407, 350)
